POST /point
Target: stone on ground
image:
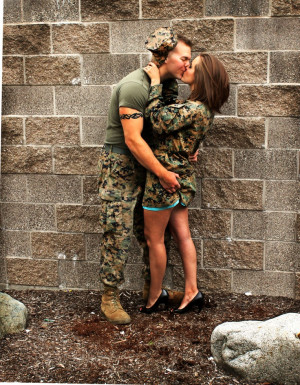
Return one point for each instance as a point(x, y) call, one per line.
point(262, 351)
point(13, 315)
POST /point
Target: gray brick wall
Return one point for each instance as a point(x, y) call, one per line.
point(61, 61)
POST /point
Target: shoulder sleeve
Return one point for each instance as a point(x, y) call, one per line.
point(168, 118)
point(133, 95)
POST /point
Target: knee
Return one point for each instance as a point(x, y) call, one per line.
point(153, 239)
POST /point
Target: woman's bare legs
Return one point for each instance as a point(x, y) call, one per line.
point(180, 230)
point(155, 223)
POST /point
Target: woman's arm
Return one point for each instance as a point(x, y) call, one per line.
point(168, 118)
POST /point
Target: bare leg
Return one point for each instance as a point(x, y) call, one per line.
point(155, 223)
point(180, 230)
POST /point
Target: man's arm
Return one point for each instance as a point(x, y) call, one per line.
point(132, 123)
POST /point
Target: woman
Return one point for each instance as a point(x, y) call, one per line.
point(178, 129)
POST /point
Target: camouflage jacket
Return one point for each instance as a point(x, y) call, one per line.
point(178, 128)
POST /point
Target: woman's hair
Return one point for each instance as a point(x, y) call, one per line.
point(211, 84)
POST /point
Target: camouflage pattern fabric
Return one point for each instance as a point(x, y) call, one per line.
point(160, 42)
point(121, 185)
point(179, 130)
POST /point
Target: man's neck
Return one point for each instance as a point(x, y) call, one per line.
point(164, 74)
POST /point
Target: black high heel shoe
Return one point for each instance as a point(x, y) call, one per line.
point(162, 299)
point(197, 301)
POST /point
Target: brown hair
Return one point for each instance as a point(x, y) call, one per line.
point(185, 40)
point(211, 84)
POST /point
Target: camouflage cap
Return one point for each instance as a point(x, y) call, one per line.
point(160, 42)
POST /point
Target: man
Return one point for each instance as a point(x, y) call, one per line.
point(124, 160)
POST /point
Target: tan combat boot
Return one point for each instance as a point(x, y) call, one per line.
point(175, 297)
point(111, 307)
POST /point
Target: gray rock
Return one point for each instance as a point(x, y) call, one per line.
point(13, 315)
point(262, 351)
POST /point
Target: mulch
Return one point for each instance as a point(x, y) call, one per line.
point(68, 341)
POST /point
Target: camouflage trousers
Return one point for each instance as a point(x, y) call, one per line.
point(121, 187)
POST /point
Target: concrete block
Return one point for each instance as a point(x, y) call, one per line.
point(12, 131)
point(90, 190)
point(249, 225)
point(268, 33)
point(236, 133)
point(54, 189)
point(214, 280)
point(12, 11)
point(284, 67)
point(45, 10)
point(80, 38)
point(237, 8)
point(46, 245)
point(107, 68)
point(92, 245)
point(282, 256)
point(281, 226)
point(245, 67)
point(16, 244)
point(52, 70)
point(168, 9)
point(76, 160)
point(27, 100)
point(278, 284)
point(85, 101)
point(265, 164)
point(297, 286)
point(98, 10)
point(79, 275)
point(26, 217)
point(230, 107)
point(12, 70)
point(230, 254)
point(268, 101)
point(130, 36)
point(264, 225)
point(25, 159)
point(3, 278)
point(52, 130)
point(284, 133)
point(298, 227)
point(32, 272)
point(232, 194)
point(208, 35)
point(26, 39)
point(285, 8)
point(93, 130)
point(13, 188)
point(209, 223)
point(282, 196)
point(76, 218)
point(214, 163)
point(133, 277)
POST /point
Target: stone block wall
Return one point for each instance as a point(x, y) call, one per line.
point(61, 60)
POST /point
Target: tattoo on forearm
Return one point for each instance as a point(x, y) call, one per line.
point(136, 115)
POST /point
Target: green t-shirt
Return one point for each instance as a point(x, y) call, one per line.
point(132, 92)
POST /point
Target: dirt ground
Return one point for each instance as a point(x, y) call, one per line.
point(67, 340)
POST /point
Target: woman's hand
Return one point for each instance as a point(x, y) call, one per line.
point(194, 157)
point(153, 73)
